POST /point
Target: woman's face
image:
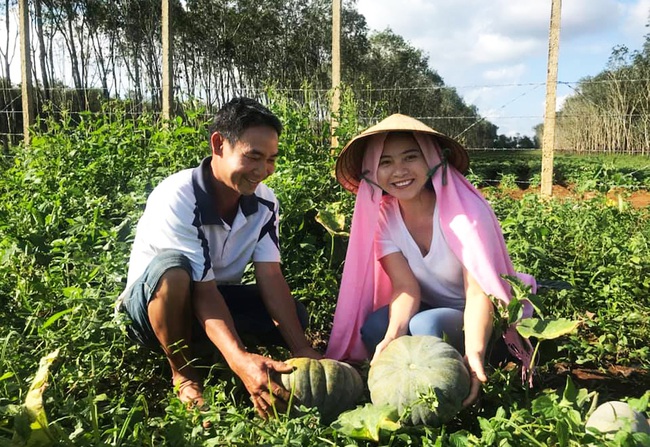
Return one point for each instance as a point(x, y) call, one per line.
point(402, 170)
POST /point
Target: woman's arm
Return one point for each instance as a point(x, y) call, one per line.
point(478, 329)
point(405, 297)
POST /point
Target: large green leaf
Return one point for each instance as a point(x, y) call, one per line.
point(367, 422)
point(546, 329)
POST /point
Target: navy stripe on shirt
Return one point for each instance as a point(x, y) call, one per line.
point(196, 222)
point(270, 226)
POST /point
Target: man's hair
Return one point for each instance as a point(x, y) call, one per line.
point(238, 114)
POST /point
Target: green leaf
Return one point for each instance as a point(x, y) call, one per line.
point(367, 422)
point(55, 317)
point(570, 392)
point(640, 404)
point(546, 329)
point(545, 406)
point(333, 221)
point(515, 311)
point(562, 432)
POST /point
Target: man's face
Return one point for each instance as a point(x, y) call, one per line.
point(248, 162)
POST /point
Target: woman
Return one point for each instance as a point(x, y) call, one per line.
point(425, 250)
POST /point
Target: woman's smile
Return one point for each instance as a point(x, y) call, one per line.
point(402, 183)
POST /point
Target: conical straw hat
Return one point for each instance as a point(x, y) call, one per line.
point(348, 165)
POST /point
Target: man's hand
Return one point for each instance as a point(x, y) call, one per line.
point(477, 376)
point(255, 371)
point(307, 351)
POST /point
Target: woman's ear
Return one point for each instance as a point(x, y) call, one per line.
point(216, 143)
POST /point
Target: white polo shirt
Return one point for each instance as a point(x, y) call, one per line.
point(180, 215)
point(439, 273)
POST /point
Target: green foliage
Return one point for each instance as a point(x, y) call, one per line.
point(367, 422)
point(68, 208)
point(553, 419)
point(584, 172)
point(598, 250)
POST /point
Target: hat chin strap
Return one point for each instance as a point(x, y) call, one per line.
point(444, 163)
point(374, 149)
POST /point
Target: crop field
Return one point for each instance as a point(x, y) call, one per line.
point(68, 209)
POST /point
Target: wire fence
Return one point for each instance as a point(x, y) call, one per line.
point(65, 100)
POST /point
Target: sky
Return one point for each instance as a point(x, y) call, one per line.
point(495, 52)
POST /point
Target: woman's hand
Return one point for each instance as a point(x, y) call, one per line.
point(307, 351)
point(380, 347)
point(477, 377)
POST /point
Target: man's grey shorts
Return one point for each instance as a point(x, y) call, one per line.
point(244, 301)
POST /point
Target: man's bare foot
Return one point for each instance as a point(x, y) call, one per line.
point(190, 393)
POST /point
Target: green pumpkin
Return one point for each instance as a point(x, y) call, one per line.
point(329, 385)
point(411, 367)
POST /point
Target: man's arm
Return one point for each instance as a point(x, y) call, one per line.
point(282, 309)
point(254, 370)
point(211, 310)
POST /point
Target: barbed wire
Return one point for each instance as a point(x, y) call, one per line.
point(602, 81)
point(363, 118)
point(6, 110)
point(148, 101)
point(157, 90)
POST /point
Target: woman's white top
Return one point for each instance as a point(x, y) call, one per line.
point(439, 273)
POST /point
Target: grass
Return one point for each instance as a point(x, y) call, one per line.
point(68, 209)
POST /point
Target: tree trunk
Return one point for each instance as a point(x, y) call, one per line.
point(5, 53)
point(74, 62)
point(45, 79)
point(96, 40)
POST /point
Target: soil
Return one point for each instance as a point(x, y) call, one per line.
point(612, 383)
point(636, 199)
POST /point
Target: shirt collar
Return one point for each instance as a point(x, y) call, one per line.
point(205, 196)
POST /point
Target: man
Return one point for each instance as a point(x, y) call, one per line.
point(199, 230)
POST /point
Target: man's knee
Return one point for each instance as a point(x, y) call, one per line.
point(175, 282)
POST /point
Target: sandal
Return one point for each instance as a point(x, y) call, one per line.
point(191, 394)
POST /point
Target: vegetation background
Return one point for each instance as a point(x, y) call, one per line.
point(225, 48)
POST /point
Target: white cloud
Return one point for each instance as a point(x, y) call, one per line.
point(527, 18)
point(559, 102)
point(495, 48)
point(584, 17)
point(501, 74)
point(637, 17)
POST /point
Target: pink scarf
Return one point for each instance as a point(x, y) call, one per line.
point(470, 228)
